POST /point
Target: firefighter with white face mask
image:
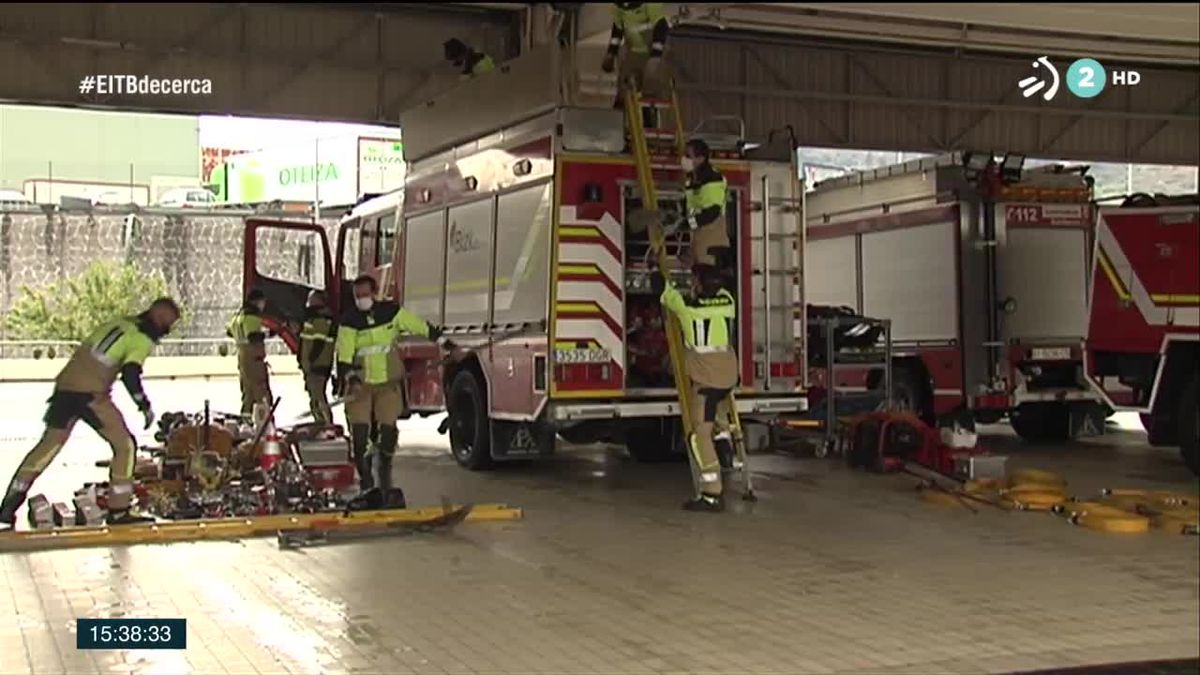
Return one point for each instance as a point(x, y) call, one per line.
point(707, 194)
point(370, 376)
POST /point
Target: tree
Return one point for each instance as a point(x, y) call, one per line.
point(70, 309)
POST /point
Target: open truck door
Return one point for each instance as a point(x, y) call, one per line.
point(287, 260)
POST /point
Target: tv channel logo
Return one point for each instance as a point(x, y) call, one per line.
point(1085, 78)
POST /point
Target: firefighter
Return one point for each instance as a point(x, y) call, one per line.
point(246, 328)
point(639, 33)
point(83, 391)
point(370, 375)
point(706, 194)
point(471, 62)
point(316, 355)
point(707, 322)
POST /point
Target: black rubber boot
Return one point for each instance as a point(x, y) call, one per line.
point(724, 449)
point(706, 504)
point(360, 435)
point(384, 451)
point(13, 499)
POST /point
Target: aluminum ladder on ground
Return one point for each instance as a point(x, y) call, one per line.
point(673, 138)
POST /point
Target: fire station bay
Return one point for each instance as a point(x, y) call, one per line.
point(599, 338)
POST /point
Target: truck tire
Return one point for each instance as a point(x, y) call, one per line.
point(1042, 422)
point(654, 441)
point(1189, 427)
point(470, 437)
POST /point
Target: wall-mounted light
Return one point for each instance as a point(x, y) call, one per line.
point(472, 183)
point(426, 196)
point(523, 168)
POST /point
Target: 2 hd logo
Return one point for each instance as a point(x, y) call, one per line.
point(1086, 78)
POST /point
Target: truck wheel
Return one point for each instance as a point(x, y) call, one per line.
point(470, 440)
point(652, 441)
point(1189, 427)
point(1042, 422)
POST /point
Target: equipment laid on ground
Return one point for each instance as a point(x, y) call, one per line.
point(516, 215)
point(233, 528)
point(1143, 341)
point(332, 532)
point(887, 441)
point(1119, 511)
point(980, 265)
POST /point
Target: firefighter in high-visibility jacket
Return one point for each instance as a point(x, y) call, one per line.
point(316, 355)
point(639, 34)
point(470, 62)
point(706, 193)
point(246, 329)
point(707, 320)
point(370, 376)
point(83, 391)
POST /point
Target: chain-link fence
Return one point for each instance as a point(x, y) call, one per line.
point(199, 254)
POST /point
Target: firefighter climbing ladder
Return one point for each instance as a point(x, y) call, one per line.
point(673, 137)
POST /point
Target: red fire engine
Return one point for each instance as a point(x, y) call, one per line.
point(1143, 345)
point(981, 266)
point(512, 234)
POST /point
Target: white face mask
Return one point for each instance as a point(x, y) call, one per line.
point(688, 163)
point(364, 303)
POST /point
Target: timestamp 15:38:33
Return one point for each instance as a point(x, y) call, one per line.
point(131, 634)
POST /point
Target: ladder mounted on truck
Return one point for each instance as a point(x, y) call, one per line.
point(669, 141)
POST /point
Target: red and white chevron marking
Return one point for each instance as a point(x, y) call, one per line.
point(601, 251)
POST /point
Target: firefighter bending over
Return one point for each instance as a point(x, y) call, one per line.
point(246, 329)
point(83, 391)
point(707, 194)
point(639, 33)
point(470, 62)
point(707, 322)
point(316, 355)
point(370, 375)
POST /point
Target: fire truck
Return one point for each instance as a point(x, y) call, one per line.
point(512, 233)
point(981, 265)
point(1143, 345)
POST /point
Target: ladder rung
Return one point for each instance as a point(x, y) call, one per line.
point(660, 133)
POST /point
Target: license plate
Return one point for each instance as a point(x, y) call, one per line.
point(1051, 354)
point(582, 356)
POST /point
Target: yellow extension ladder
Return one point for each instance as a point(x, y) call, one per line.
point(672, 137)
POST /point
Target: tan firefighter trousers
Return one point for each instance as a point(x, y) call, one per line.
point(316, 382)
point(252, 373)
point(713, 375)
point(97, 411)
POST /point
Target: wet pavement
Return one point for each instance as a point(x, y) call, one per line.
point(832, 571)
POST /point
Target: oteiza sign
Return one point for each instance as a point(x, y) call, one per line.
point(308, 174)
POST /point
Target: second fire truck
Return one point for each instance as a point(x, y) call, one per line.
point(982, 267)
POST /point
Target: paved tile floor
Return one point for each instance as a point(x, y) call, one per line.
point(832, 571)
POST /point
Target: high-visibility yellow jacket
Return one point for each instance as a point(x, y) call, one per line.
point(707, 322)
point(644, 28)
point(706, 193)
point(246, 327)
point(365, 340)
point(317, 343)
point(117, 347)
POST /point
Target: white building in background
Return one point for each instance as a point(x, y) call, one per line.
point(250, 161)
